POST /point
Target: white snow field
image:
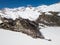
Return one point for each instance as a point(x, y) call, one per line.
point(17, 38)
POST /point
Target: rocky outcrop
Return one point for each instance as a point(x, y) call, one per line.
point(22, 25)
point(49, 20)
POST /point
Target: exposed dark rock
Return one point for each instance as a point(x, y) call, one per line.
point(22, 25)
point(49, 20)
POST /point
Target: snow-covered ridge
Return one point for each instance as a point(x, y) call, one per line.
point(31, 13)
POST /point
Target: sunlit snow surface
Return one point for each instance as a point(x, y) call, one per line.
point(17, 38)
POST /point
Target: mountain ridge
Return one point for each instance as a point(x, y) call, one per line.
point(31, 13)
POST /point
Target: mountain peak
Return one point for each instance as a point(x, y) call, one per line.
point(29, 12)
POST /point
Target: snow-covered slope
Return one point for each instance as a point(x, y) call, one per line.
point(31, 13)
point(15, 38)
point(25, 13)
point(53, 7)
